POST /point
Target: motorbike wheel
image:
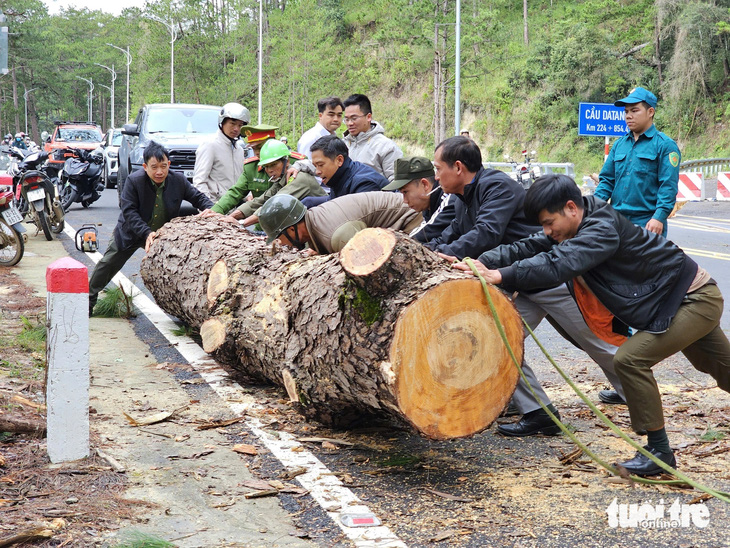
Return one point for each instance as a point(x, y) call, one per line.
point(68, 196)
point(57, 225)
point(11, 245)
point(22, 205)
point(45, 224)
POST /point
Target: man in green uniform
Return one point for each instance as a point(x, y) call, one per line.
point(641, 173)
point(275, 159)
point(253, 179)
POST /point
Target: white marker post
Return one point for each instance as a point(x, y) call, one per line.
point(67, 350)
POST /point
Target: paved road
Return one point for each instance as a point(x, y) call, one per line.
point(513, 491)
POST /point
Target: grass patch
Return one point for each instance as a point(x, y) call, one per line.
point(33, 335)
point(14, 370)
point(115, 303)
point(713, 435)
point(137, 539)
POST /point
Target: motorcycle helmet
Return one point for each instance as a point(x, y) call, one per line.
point(235, 112)
point(97, 155)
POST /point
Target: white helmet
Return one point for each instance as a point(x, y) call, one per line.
point(234, 111)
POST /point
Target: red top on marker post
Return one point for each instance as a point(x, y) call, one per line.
point(67, 275)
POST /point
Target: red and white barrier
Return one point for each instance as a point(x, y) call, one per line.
point(691, 187)
point(67, 389)
point(723, 186)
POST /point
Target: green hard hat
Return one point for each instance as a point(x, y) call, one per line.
point(272, 151)
point(279, 213)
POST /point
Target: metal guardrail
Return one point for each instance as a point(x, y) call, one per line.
point(545, 167)
point(708, 166)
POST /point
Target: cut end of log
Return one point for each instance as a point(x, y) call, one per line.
point(367, 251)
point(453, 372)
point(217, 281)
point(213, 333)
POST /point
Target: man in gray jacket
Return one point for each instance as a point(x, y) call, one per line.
point(366, 138)
point(219, 160)
point(489, 212)
point(328, 227)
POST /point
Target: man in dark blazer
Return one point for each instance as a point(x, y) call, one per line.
point(151, 197)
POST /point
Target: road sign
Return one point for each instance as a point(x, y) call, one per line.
point(601, 120)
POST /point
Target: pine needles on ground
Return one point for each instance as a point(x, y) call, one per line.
point(115, 303)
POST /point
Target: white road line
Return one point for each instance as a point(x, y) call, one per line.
point(323, 486)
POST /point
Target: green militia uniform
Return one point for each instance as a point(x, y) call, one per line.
point(253, 180)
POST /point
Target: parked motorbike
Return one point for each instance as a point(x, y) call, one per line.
point(35, 193)
point(12, 240)
point(80, 178)
point(527, 172)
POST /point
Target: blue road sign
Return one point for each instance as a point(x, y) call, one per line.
point(601, 120)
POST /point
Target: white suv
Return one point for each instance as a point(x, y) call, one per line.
point(112, 140)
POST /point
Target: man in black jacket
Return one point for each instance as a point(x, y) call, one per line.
point(489, 212)
point(414, 177)
point(646, 281)
point(151, 197)
point(339, 173)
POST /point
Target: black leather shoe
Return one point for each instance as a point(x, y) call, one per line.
point(611, 397)
point(642, 466)
point(532, 423)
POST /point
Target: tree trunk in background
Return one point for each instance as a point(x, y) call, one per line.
point(525, 34)
point(385, 328)
point(657, 49)
point(15, 103)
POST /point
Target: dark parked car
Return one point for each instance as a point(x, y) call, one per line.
point(180, 128)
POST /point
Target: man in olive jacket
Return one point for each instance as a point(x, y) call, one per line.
point(151, 197)
point(643, 279)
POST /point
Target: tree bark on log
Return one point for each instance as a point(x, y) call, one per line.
point(384, 328)
point(22, 425)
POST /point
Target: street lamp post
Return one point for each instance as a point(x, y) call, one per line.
point(173, 37)
point(129, 62)
point(457, 72)
point(261, 52)
point(91, 91)
point(114, 77)
point(110, 90)
point(25, 96)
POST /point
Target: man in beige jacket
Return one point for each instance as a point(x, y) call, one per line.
point(328, 227)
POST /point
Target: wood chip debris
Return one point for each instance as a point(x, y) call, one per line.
point(262, 493)
point(28, 403)
point(245, 449)
point(293, 473)
point(218, 424)
point(153, 419)
point(114, 463)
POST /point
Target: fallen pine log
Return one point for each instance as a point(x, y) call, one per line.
point(383, 328)
point(22, 424)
